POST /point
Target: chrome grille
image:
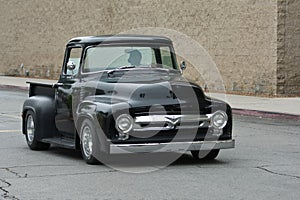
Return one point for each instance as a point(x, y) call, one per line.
point(170, 122)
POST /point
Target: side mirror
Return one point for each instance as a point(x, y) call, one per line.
point(182, 65)
point(71, 65)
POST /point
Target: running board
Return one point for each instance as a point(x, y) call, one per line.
point(62, 142)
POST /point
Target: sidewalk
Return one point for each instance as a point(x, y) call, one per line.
point(245, 105)
point(288, 105)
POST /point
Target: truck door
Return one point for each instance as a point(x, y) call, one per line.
point(65, 90)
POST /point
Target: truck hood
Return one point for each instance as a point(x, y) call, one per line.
point(147, 89)
point(164, 93)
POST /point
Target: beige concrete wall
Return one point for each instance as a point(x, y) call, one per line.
point(240, 35)
point(34, 32)
point(288, 47)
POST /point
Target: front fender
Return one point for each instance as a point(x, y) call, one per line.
point(101, 113)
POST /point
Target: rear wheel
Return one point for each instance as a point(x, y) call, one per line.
point(88, 144)
point(31, 133)
point(205, 155)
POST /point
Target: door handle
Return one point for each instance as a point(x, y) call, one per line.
point(56, 85)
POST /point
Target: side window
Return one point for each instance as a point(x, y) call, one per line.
point(166, 57)
point(74, 56)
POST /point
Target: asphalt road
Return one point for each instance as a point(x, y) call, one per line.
point(264, 165)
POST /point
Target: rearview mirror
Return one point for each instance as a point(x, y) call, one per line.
point(71, 65)
point(182, 65)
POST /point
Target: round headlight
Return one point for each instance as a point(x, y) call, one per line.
point(219, 119)
point(124, 123)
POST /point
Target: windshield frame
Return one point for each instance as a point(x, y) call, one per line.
point(151, 45)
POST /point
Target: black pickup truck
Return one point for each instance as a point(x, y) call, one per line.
point(125, 94)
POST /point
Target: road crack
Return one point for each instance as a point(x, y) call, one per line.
point(4, 185)
point(43, 165)
point(276, 173)
point(15, 173)
point(18, 175)
point(4, 190)
point(73, 174)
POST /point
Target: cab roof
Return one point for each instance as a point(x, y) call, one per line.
point(119, 39)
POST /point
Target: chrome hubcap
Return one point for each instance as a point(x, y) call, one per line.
point(87, 142)
point(30, 128)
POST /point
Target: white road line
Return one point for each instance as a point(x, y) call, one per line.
point(12, 116)
point(10, 131)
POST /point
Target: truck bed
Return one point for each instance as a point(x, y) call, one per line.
point(41, 89)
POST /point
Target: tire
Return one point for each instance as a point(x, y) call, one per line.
point(31, 132)
point(205, 155)
point(88, 142)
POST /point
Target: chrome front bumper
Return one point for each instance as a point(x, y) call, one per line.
point(170, 147)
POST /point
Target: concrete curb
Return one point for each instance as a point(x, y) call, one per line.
point(265, 114)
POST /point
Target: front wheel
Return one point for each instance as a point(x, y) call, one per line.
point(205, 155)
point(88, 144)
point(31, 133)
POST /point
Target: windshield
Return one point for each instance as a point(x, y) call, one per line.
point(112, 57)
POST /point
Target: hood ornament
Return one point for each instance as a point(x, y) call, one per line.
point(172, 121)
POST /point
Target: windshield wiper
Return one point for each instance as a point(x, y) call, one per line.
point(126, 67)
point(110, 72)
point(168, 71)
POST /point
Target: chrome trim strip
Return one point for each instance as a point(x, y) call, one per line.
point(170, 147)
